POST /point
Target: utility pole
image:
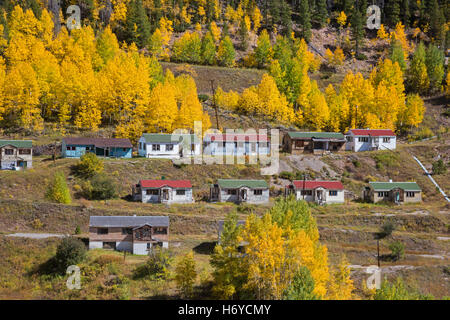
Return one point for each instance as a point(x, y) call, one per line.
point(213, 90)
point(378, 251)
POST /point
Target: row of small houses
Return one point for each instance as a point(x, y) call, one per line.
point(257, 191)
point(139, 234)
point(18, 154)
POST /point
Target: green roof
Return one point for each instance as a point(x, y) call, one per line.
point(387, 186)
point(319, 135)
point(234, 184)
point(166, 137)
point(17, 143)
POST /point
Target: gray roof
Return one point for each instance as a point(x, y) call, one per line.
point(128, 221)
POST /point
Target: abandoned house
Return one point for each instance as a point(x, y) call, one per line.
point(169, 146)
point(16, 154)
point(134, 234)
point(239, 191)
point(320, 192)
point(312, 142)
point(368, 140)
point(397, 192)
point(163, 191)
point(236, 144)
point(75, 147)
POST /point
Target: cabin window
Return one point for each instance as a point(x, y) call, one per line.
point(109, 245)
point(363, 139)
point(257, 192)
point(333, 193)
point(306, 192)
point(9, 151)
point(124, 149)
point(231, 192)
point(349, 139)
point(24, 151)
point(149, 245)
point(70, 148)
point(169, 147)
point(383, 194)
point(127, 231)
point(152, 192)
point(386, 140)
point(160, 230)
point(87, 148)
point(102, 231)
point(410, 194)
point(155, 147)
point(181, 192)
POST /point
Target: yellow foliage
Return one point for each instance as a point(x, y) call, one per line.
point(342, 19)
point(381, 33)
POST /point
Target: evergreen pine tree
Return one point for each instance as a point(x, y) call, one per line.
point(305, 20)
point(396, 54)
point(137, 24)
point(393, 12)
point(405, 12)
point(322, 13)
point(357, 28)
point(243, 34)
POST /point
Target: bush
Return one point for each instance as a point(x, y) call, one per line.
point(57, 189)
point(100, 187)
point(397, 250)
point(386, 159)
point(70, 251)
point(156, 266)
point(423, 133)
point(286, 175)
point(361, 56)
point(77, 230)
point(89, 165)
point(439, 167)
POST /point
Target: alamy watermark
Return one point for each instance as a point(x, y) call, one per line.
point(234, 146)
point(374, 280)
point(74, 280)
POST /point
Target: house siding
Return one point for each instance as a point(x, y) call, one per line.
point(231, 149)
point(80, 150)
point(329, 199)
point(353, 143)
point(16, 159)
point(173, 197)
point(146, 150)
point(251, 197)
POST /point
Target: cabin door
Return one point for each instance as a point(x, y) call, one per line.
point(165, 194)
point(243, 195)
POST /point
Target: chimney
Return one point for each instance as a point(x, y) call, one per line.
point(390, 180)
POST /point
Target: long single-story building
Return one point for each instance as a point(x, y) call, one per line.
point(370, 139)
point(236, 144)
point(169, 146)
point(16, 154)
point(75, 147)
point(397, 192)
point(312, 142)
point(135, 234)
point(163, 191)
point(321, 192)
point(238, 191)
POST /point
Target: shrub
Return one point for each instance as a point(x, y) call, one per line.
point(185, 275)
point(386, 159)
point(89, 165)
point(423, 133)
point(77, 230)
point(397, 250)
point(439, 167)
point(70, 251)
point(37, 224)
point(57, 189)
point(156, 266)
point(356, 163)
point(100, 187)
point(286, 175)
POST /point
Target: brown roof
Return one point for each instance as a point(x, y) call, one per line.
point(99, 142)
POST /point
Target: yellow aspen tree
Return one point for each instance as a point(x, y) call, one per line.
point(412, 113)
point(215, 31)
point(339, 110)
point(399, 35)
point(256, 17)
point(22, 93)
point(248, 101)
point(341, 285)
point(107, 45)
point(381, 33)
point(162, 109)
point(88, 117)
point(46, 31)
point(2, 86)
point(316, 113)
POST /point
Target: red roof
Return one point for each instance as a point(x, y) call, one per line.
point(333, 185)
point(373, 132)
point(232, 137)
point(164, 183)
